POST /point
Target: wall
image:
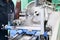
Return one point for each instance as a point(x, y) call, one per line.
point(23, 4)
point(29, 1)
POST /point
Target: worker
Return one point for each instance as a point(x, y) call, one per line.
point(6, 7)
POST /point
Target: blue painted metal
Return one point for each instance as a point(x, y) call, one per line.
point(19, 31)
point(31, 32)
point(13, 33)
point(45, 34)
point(37, 33)
point(8, 27)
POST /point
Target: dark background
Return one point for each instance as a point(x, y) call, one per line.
point(49, 0)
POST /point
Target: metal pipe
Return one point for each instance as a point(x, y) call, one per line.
point(39, 2)
point(36, 2)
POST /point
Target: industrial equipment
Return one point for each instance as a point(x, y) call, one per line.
point(33, 22)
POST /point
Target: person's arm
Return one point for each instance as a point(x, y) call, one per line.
point(12, 7)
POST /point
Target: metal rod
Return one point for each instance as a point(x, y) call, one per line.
point(36, 2)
